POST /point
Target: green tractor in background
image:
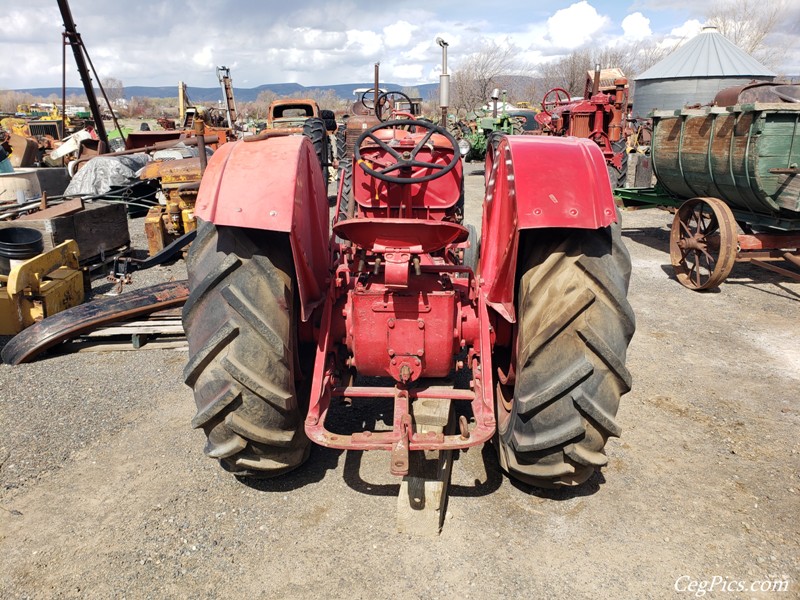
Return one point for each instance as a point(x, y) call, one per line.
point(473, 134)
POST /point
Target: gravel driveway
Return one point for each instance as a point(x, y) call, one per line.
point(105, 492)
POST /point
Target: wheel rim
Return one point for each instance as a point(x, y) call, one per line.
point(703, 243)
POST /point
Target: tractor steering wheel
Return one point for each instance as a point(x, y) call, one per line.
point(555, 101)
point(407, 159)
point(388, 99)
point(368, 98)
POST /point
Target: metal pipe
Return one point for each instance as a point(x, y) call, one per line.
point(200, 129)
point(63, 85)
point(596, 82)
point(77, 49)
point(375, 89)
point(188, 141)
point(444, 83)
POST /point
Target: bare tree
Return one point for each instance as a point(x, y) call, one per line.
point(258, 107)
point(568, 73)
point(113, 88)
point(327, 99)
point(472, 82)
point(747, 23)
point(10, 99)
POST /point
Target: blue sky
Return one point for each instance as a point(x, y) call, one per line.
point(316, 42)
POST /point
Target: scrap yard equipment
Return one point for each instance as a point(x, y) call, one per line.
point(731, 171)
point(39, 287)
point(599, 116)
point(359, 337)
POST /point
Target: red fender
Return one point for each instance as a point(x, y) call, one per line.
point(274, 184)
point(535, 182)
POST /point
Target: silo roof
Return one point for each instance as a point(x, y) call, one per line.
point(708, 54)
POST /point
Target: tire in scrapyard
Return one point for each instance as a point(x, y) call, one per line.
point(240, 322)
point(574, 326)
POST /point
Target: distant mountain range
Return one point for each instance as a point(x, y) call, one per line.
point(213, 94)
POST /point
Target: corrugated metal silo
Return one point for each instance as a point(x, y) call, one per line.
point(695, 72)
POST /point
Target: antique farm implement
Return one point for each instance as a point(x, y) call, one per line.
point(732, 174)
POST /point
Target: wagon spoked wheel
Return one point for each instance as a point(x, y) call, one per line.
point(703, 243)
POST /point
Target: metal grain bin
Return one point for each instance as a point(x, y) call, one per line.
point(746, 155)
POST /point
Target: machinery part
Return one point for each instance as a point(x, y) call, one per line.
point(86, 317)
point(464, 146)
point(291, 199)
point(407, 160)
point(703, 243)
point(74, 40)
point(574, 324)
point(619, 177)
point(471, 253)
point(41, 286)
point(240, 322)
point(389, 99)
point(556, 101)
point(314, 129)
point(123, 266)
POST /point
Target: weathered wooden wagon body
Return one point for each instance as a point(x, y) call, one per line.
point(747, 155)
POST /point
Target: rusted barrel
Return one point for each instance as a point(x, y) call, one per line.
point(746, 155)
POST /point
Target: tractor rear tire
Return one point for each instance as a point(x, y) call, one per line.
point(574, 324)
point(344, 174)
point(619, 179)
point(240, 322)
point(314, 130)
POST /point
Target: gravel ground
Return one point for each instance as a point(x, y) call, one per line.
point(105, 492)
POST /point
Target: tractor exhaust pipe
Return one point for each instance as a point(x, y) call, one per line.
point(375, 87)
point(444, 83)
point(596, 82)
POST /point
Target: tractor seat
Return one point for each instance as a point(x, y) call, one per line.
point(414, 235)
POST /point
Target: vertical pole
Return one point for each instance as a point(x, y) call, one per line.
point(375, 88)
point(63, 83)
point(75, 41)
point(444, 84)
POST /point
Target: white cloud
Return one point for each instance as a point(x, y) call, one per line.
point(365, 43)
point(320, 42)
point(575, 25)
point(421, 51)
point(398, 35)
point(686, 31)
point(636, 27)
point(203, 58)
point(317, 39)
point(406, 72)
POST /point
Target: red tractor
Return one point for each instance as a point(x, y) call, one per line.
point(301, 332)
point(599, 116)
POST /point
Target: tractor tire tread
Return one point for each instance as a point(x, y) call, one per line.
point(574, 327)
point(241, 366)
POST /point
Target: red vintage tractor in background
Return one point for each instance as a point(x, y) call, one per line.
point(301, 333)
point(599, 116)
